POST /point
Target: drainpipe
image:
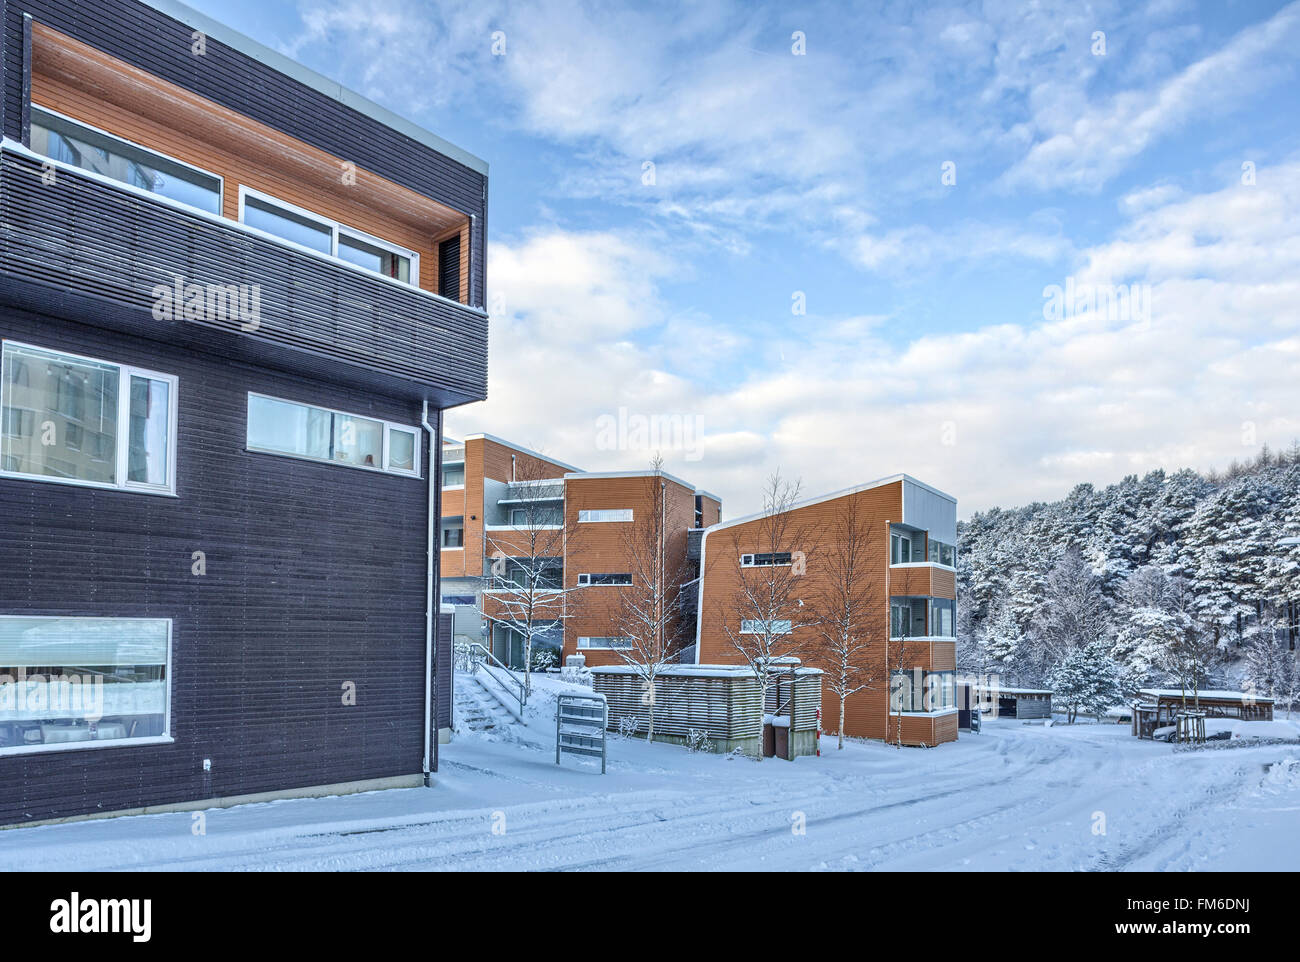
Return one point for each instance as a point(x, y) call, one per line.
point(433, 435)
point(469, 269)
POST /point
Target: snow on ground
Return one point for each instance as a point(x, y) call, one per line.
point(1015, 797)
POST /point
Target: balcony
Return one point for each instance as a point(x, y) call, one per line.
point(96, 250)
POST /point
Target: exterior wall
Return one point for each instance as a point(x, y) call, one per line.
point(315, 576)
point(866, 712)
point(603, 547)
point(73, 78)
point(711, 508)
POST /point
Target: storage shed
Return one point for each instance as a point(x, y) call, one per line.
point(716, 702)
point(1159, 707)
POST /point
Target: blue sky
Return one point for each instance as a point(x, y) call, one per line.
point(925, 346)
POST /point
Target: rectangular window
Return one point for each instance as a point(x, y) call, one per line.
point(545, 574)
point(64, 139)
point(907, 618)
point(760, 627)
point(80, 421)
point(320, 434)
point(460, 600)
point(325, 236)
point(942, 554)
point(906, 547)
point(765, 560)
point(607, 644)
point(83, 682)
point(606, 514)
point(922, 691)
point(943, 618)
point(621, 578)
point(453, 533)
point(453, 475)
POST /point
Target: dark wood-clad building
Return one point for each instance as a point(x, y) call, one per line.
point(234, 301)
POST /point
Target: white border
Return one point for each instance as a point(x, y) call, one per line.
point(166, 738)
point(125, 373)
point(377, 469)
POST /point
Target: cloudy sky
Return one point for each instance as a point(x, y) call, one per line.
point(801, 237)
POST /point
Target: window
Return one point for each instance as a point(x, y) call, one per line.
point(606, 514)
point(751, 627)
point(605, 579)
point(906, 547)
point(765, 560)
point(536, 516)
point(943, 554)
point(589, 644)
point(61, 138)
point(79, 421)
point(320, 434)
point(459, 600)
point(82, 682)
point(907, 618)
point(325, 236)
point(943, 618)
point(453, 475)
point(449, 268)
point(453, 533)
point(922, 691)
point(544, 574)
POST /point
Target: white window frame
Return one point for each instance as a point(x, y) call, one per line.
point(584, 579)
point(442, 536)
point(602, 643)
point(123, 439)
point(166, 738)
point(387, 425)
point(590, 515)
point(335, 228)
point(221, 181)
point(752, 628)
point(747, 560)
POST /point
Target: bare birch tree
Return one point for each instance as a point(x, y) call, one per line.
point(646, 615)
point(761, 622)
point(844, 613)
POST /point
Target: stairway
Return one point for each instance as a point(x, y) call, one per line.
point(476, 710)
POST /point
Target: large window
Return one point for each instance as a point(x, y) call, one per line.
point(906, 547)
point(320, 434)
point(586, 643)
point(536, 516)
point(61, 138)
point(922, 691)
point(922, 618)
point(326, 236)
point(543, 574)
point(453, 532)
point(82, 682)
point(453, 475)
point(943, 618)
point(606, 514)
point(80, 421)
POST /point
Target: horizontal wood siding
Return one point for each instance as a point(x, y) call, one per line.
point(85, 237)
point(315, 577)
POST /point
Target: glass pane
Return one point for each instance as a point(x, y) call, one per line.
point(374, 258)
point(401, 450)
point(288, 428)
point(453, 474)
point(292, 226)
point(60, 416)
point(149, 431)
point(88, 149)
point(81, 679)
point(358, 441)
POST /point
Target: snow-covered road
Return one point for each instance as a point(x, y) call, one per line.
point(1018, 797)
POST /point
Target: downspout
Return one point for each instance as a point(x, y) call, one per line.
point(433, 435)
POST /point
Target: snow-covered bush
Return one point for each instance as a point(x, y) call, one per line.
point(628, 726)
point(698, 741)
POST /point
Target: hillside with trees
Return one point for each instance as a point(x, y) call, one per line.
point(1175, 580)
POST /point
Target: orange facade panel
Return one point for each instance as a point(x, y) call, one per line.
point(922, 580)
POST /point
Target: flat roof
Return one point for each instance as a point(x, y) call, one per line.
point(842, 493)
point(584, 475)
point(318, 82)
point(708, 494)
point(1220, 695)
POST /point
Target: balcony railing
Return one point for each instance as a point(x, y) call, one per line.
point(83, 235)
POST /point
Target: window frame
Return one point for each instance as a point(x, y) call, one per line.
point(382, 468)
point(631, 516)
point(123, 439)
point(221, 181)
point(166, 738)
point(335, 228)
point(789, 629)
point(753, 561)
point(605, 584)
point(585, 643)
point(444, 529)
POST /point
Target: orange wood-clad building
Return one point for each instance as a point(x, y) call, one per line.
point(909, 532)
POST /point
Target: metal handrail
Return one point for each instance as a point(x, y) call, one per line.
point(471, 656)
